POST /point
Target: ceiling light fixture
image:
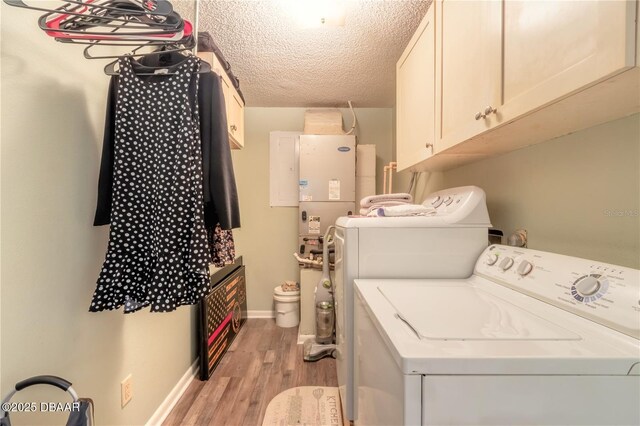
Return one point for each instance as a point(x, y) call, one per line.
point(318, 13)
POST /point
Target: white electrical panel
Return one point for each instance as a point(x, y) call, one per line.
point(284, 153)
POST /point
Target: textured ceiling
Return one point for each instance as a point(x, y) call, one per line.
point(279, 63)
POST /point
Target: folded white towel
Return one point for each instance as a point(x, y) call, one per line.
point(403, 210)
point(365, 210)
point(400, 197)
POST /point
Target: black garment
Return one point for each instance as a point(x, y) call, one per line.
point(158, 250)
point(220, 192)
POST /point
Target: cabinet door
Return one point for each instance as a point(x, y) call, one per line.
point(235, 117)
point(415, 103)
point(233, 103)
point(235, 113)
point(554, 48)
point(469, 68)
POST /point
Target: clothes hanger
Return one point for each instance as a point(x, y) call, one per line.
point(159, 24)
point(129, 6)
point(205, 67)
point(110, 69)
point(149, 29)
point(156, 15)
point(186, 40)
point(121, 11)
point(168, 57)
point(177, 57)
point(89, 13)
point(115, 37)
point(163, 7)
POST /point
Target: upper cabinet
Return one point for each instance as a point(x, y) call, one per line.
point(514, 73)
point(469, 68)
point(415, 96)
point(235, 113)
point(554, 48)
point(233, 102)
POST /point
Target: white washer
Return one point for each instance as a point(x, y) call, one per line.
point(530, 338)
point(445, 245)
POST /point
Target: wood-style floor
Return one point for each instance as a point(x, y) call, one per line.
point(263, 361)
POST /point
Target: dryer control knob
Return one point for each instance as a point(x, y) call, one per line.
point(524, 268)
point(492, 259)
point(448, 201)
point(506, 263)
point(588, 285)
point(437, 201)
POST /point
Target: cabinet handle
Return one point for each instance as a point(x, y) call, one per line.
point(428, 145)
point(488, 110)
point(233, 128)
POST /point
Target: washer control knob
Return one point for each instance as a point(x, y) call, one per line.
point(448, 201)
point(506, 263)
point(492, 259)
point(524, 268)
point(437, 201)
point(588, 285)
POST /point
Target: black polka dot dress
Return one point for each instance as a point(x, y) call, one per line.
point(158, 253)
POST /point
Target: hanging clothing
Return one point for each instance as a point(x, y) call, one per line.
point(157, 254)
point(222, 248)
point(220, 192)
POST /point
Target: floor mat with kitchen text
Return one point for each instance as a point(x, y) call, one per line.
point(305, 405)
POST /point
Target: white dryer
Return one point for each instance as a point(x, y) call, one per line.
point(445, 245)
point(530, 338)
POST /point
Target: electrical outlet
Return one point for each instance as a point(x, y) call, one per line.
point(126, 390)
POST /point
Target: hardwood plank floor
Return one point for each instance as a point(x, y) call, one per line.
point(263, 361)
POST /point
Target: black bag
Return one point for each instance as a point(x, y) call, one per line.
point(81, 413)
point(206, 44)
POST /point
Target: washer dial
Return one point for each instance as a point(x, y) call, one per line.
point(590, 287)
point(506, 263)
point(437, 201)
point(524, 268)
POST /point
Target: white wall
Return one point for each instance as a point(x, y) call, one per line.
point(269, 235)
point(568, 193)
point(52, 119)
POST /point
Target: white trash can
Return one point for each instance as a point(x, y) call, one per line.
point(287, 307)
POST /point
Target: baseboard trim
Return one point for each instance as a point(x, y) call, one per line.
point(261, 314)
point(304, 337)
point(172, 399)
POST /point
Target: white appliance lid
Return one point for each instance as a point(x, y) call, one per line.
point(462, 312)
point(598, 351)
point(406, 222)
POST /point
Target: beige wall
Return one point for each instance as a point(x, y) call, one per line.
point(567, 193)
point(52, 118)
point(268, 237)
